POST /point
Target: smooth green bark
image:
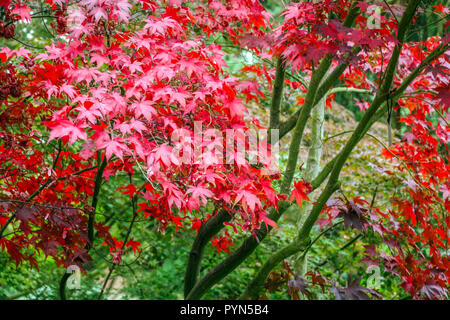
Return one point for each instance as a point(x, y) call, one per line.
point(206, 232)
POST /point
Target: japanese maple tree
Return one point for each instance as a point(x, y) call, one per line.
point(141, 89)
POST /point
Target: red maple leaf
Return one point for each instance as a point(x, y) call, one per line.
point(301, 191)
point(444, 95)
point(134, 245)
point(129, 189)
point(5, 3)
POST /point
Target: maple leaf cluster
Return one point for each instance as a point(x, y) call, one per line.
point(298, 284)
point(307, 34)
point(301, 191)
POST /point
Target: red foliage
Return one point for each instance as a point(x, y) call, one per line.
point(130, 93)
